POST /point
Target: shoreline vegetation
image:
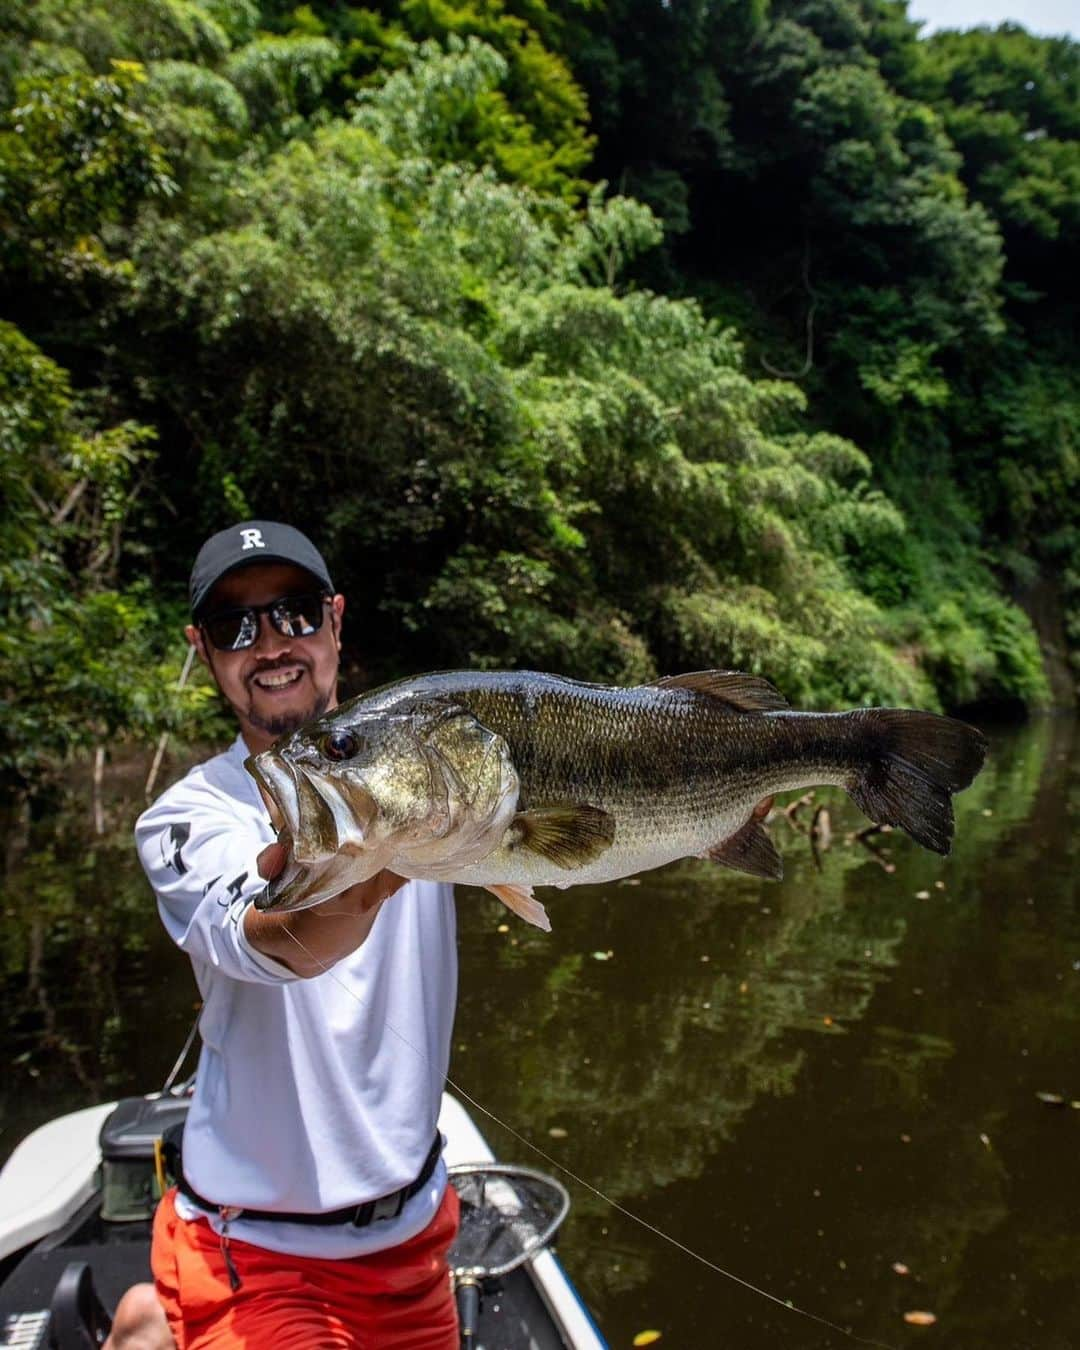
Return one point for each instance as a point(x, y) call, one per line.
point(613, 341)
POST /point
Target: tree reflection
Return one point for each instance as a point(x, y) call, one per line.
point(97, 998)
point(724, 995)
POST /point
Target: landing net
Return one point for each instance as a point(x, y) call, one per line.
point(508, 1213)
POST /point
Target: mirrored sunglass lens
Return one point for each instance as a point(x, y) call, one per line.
point(298, 615)
point(232, 632)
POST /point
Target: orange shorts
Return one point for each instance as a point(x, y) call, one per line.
point(398, 1299)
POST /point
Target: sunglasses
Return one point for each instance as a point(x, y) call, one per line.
point(293, 616)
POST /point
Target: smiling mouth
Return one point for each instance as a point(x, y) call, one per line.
point(275, 680)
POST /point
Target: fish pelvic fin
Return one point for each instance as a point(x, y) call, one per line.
point(524, 904)
point(750, 849)
point(568, 836)
point(915, 762)
point(745, 693)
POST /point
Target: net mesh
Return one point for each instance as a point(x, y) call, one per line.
point(507, 1215)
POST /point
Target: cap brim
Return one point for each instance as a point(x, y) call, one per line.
point(198, 604)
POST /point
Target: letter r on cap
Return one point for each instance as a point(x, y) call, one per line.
point(252, 539)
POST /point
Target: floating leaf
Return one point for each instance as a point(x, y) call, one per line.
point(919, 1318)
point(602, 956)
point(1051, 1098)
point(922, 895)
point(503, 928)
point(557, 1132)
point(646, 1338)
point(900, 1268)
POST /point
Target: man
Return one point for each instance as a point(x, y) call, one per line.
point(314, 1209)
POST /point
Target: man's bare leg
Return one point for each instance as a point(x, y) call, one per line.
point(139, 1322)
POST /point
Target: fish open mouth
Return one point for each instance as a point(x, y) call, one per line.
point(278, 788)
point(305, 810)
point(314, 820)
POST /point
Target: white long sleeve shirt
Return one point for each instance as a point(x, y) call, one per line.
point(314, 1094)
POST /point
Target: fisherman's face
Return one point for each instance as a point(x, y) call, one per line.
point(278, 683)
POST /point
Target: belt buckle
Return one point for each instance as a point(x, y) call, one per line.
point(363, 1214)
point(387, 1206)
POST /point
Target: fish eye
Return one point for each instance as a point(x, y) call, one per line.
point(340, 744)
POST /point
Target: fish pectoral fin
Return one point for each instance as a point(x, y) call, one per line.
point(749, 850)
point(568, 836)
point(524, 904)
point(746, 693)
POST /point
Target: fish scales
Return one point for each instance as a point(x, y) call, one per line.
point(675, 768)
point(516, 779)
point(679, 771)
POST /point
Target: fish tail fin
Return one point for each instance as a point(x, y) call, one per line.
point(915, 762)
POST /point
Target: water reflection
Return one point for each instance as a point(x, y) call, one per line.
point(96, 996)
point(808, 1082)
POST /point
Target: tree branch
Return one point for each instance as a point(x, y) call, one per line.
point(808, 362)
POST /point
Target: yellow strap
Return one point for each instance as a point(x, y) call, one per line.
point(159, 1165)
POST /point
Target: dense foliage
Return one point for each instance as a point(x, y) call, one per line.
point(893, 222)
point(795, 393)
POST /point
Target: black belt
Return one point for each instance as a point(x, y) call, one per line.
point(386, 1207)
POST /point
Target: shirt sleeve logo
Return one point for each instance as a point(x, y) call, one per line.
point(236, 886)
point(172, 842)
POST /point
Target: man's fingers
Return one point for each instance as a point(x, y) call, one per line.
point(371, 892)
point(367, 894)
point(271, 860)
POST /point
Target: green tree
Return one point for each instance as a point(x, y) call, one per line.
point(76, 157)
point(888, 222)
point(68, 488)
point(345, 266)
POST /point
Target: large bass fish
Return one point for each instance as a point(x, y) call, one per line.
point(511, 780)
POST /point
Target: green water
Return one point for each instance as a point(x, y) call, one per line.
point(805, 1082)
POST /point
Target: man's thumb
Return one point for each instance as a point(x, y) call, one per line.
point(271, 860)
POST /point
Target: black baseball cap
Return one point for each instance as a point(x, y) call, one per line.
point(253, 541)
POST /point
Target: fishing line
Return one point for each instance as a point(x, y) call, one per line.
point(554, 1162)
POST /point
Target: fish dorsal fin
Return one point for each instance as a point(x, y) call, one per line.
point(524, 904)
point(747, 693)
point(749, 850)
point(568, 836)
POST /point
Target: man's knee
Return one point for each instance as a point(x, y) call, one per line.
point(139, 1322)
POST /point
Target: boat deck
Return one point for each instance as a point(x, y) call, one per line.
point(533, 1308)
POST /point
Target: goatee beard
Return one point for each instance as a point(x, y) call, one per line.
point(284, 724)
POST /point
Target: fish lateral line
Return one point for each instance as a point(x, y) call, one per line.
point(786, 1304)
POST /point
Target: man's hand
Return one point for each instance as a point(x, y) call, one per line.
point(363, 895)
point(311, 940)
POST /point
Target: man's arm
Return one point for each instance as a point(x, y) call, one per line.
point(207, 859)
point(309, 941)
